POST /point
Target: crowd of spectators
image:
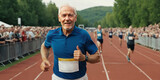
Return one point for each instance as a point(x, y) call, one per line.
point(19, 34)
point(148, 31)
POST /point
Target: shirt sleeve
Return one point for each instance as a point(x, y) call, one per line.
point(47, 42)
point(90, 45)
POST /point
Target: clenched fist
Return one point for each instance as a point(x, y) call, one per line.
point(78, 55)
point(45, 65)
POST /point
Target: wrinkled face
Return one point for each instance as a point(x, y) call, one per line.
point(67, 17)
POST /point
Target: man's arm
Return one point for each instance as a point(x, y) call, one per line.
point(103, 32)
point(125, 39)
point(136, 36)
point(45, 65)
point(94, 58)
point(2, 42)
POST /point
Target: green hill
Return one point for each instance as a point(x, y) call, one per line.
point(94, 14)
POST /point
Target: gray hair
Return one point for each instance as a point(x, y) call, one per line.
point(74, 9)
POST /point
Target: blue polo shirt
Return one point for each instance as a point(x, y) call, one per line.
point(63, 47)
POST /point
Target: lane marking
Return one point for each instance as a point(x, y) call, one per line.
point(105, 69)
point(23, 71)
point(134, 64)
point(30, 66)
point(41, 71)
point(38, 75)
point(148, 51)
point(15, 75)
point(148, 57)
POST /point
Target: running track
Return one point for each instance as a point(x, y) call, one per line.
point(144, 65)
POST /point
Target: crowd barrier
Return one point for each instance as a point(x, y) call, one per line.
point(151, 42)
point(18, 49)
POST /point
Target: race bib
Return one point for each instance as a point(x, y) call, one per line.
point(110, 34)
point(130, 38)
point(68, 65)
point(99, 34)
point(120, 33)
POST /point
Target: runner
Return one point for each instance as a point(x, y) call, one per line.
point(99, 33)
point(131, 36)
point(110, 35)
point(70, 45)
point(120, 35)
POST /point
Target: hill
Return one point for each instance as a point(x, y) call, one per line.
point(94, 14)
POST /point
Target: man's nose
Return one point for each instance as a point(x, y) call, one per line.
point(67, 17)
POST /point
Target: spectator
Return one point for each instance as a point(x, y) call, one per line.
point(16, 36)
point(30, 34)
point(24, 35)
point(2, 40)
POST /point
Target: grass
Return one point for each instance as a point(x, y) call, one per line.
point(18, 61)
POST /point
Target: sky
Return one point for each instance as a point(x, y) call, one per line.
point(81, 4)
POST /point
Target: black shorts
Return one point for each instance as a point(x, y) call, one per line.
point(129, 46)
point(110, 36)
point(100, 40)
point(120, 36)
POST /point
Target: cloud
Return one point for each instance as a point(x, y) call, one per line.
point(82, 4)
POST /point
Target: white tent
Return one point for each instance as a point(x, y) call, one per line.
point(5, 24)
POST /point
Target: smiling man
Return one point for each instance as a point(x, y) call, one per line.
point(69, 44)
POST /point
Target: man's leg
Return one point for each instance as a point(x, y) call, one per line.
point(120, 42)
point(128, 54)
point(98, 44)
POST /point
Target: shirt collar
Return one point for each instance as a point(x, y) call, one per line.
point(74, 32)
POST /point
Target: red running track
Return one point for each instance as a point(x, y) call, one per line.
point(144, 65)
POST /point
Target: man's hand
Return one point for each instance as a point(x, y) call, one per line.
point(78, 55)
point(45, 65)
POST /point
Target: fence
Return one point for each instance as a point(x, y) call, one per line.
point(149, 42)
point(17, 49)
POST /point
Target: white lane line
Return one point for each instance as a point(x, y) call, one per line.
point(134, 64)
point(42, 71)
point(141, 70)
point(15, 75)
point(30, 66)
point(104, 67)
point(23, 71)
point(38, 75)
point(149, 51)
point(148, 57)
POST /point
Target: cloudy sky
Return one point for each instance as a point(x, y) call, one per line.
point(82, 4)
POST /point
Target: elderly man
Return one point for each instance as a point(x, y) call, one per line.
point(69, 44)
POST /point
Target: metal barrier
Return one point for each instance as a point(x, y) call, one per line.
point(151, 42)
point(18, 49)
point(4, 53)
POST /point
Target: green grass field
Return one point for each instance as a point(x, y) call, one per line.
point(18, 61)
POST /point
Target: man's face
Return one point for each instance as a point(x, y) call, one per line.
point(130, 29)
point(67, 17)
point(99, 27)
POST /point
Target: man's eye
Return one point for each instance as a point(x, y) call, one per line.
point(63, 15)
point(70, 15)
